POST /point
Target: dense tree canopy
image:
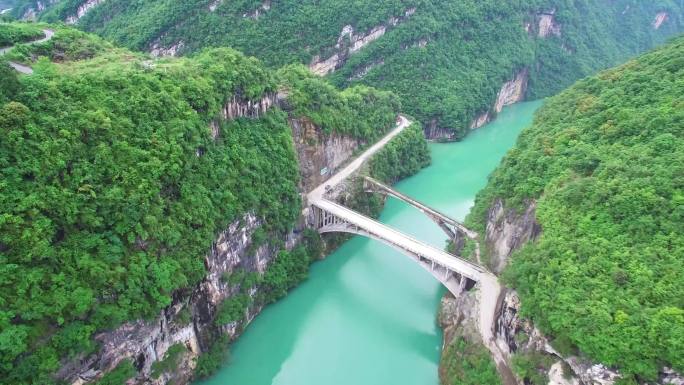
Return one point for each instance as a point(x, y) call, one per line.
point(605, 161)
point(113, 186)
point(12, 33)
point(447, 60)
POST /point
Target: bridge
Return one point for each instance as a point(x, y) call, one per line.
point(327, 216)
point(330, 217)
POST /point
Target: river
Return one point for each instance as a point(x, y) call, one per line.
point(367, 313)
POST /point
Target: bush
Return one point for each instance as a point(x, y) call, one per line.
point(122, 373)
point(211, 361)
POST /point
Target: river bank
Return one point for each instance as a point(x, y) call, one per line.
point(366, 315)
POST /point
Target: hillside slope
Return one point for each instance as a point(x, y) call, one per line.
point(126, 183)
point(447, 60)
point(602, 171)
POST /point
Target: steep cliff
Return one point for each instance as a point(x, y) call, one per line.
point(168, 209)
point(448, 61)
point(582, 218)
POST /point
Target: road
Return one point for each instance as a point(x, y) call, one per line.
point(341, 175)
point(489, 288)
point(402, 240)
point(20, 67)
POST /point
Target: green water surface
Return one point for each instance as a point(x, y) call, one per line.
point(367, 313)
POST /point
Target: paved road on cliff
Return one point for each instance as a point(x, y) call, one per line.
point(343, 174)
point(20, 67)
point(490, 289)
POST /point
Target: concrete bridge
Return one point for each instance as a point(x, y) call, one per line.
point(330, 217)
point(327, 217)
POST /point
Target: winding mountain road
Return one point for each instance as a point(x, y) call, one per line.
point(23, 68)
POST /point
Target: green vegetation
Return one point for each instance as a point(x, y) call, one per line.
point(467, 363)
point(291, 267)
point(124, 371)
point(209, 362)
point(9, 83)
point(67, 44)
point(356, 111)
point(170, 361)
point(13, 33)
point(447, 60)
point(232, 309)
point(113, 187)
point(404, 156)
point(533, 368)
point(605, 162)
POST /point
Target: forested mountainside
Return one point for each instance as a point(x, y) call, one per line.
point(447, 60)
point(604, 165)
point(118, 171)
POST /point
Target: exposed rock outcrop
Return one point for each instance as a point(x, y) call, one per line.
point(547, 25)
point(145, 342)
point(350, 42)
point(659, 19)
point(189, 320)
point(320, 154)
point(481, 120)
point(512, 91)
point(507, 230)
point(214, 4)
point(82, 10)
point(557, 377)
point(434, 132)
point(239, 107)
point(264, 7)
point(31, 13)
point(157, 50)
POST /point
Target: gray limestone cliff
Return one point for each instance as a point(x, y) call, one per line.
point(507, 230)
point(511, 92)
point(189, 320)
point(350, 42)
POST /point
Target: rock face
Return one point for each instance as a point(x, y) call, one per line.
point(547, 25)
point(556, 376)
point(481, 120)
point(157, 50)
point(434, 132)
point(507, 231)
point(320, 155)
point(189, 320)
point(512, 91)
point(458, 317)
point(147, 342)
point(263, 8)
point(350, 42)
point(239, 107)
point(659, 19)
point(31, 13)
point(82, 10)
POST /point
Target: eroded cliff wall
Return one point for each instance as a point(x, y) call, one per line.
point(190, 320)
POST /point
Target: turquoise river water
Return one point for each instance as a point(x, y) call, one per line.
point(367, 313)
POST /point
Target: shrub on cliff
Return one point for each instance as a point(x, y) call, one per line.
point(605, 162)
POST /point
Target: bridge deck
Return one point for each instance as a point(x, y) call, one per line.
point(402, 240)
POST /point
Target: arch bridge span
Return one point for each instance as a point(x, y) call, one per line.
point(329, 217)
